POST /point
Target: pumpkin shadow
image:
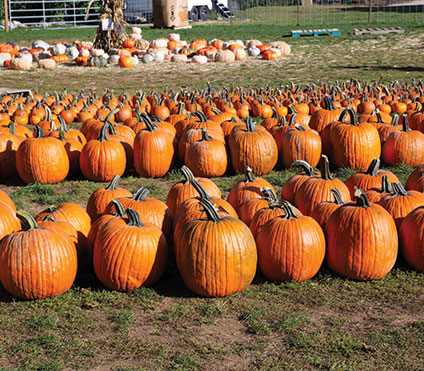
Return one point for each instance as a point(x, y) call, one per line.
point(383, 68)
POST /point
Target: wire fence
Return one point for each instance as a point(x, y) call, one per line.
point(305, 13)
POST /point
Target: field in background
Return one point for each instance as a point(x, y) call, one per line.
point(327, 323)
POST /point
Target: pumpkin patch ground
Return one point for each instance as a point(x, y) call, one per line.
point(326, 322)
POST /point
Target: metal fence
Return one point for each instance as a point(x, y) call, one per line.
point(305, 13)
point(50, 13)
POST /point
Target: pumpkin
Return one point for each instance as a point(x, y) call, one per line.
point(9, 222)
point(362, 241)
point(215, 256)
point(37, 262)
point(322, 212)
point(370, 178)
point(411, 235)
point(415, 180)
point(247, 189)
point(377, 193)
point(126, 62)
point(318, 189)
point(184, 189)
point(401, 202)
point(100, 198)
point(154, 150)
point(42, 159)
point(252, 146)
point(145, 246)
point(323, 117)
point(290, 247)
point(102, 158)
point(224, 56)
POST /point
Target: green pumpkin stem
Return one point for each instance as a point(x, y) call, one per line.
point(270, 196)
point(399, 189)
point(353, 117)
point(103, 133)
point(289, 211)
point(49, 218)
point(141, 194)
point(308, 169)
point(361, 198)
point(12, 128)
point(205, 136)
point(134, 219)
point(200, 115)
point(251, 127)
point(150, 125)
point(385, 185)
point(38, 132)
point(119, 209)
point(210, 211)
point(188, 175)
point(250, 177)
point(300, 127)
point(27, 220)
point(328, 103)
point(405, 124)
point(202, 192)
point(113, 183)
point(325, 168)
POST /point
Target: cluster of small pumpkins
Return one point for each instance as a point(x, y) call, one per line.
point(357, 227)
point(135, 49)
point(211, 132)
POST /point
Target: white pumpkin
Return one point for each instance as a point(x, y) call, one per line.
point(135, 60)
point(2, 60)
point(6, 56)
point(135, 36)
point(57, 49)
point(26, 56)
point(113, 59)
point(253, 51)
point(84, 53)
point(224, 56)
point(97, 52)
point(159, 43)
point(254, 42)
point(201, 59)
point(282, 46)
point(47, 64)
point(158, 55)
point(136, 30)
point(240, 54)
point(174, 37)
point(147, 58)
point(72, 52)
point(40, 44)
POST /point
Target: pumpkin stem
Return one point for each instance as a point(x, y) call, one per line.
point(385, 185)
point(405, 124)
point(210, 210)
point(134, 219)
point(188, 175)
point(399, 190)
point(395, 120)
point(200, 115)
point(300, 127)
point(27, 220)
point(289, 211)
point(113, 183)
point(150, 125)
point(141, 194)
point(205, 136)
point(48, 218)
point(328, 103)
point(38, 132)
point(308, 169)
point(119, 209)
point(250, 177)
point(202, 192)
point(325, 168)
point(251, 127)
point(12, 128)
point(103, 133)
point(361, 198)
point(337, 196)
point(373, 168)
point(270, 196)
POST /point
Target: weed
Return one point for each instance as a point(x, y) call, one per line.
point(123, 319)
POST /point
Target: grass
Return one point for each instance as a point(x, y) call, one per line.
point(328, 322)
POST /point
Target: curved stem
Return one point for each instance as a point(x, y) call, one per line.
point(205, 136)
point(300, 127)
point(210, 211)
point(103, 133)
point(250, 177)
point(188, 175)
point(373, 168)
point(385, 185)
point(134, 219)
point(329, 104)
point(361, 198)
point(141, 194)
point(405, 124)
point(200, 115)
point(27, 220)
point(337, 196)
point(38, 132)
point(251, 127)
point(119, 209)
point(289, 211)
point(399, 190)
point(308, 169)
point(113, 183)
point(270, 195)
point(202, 192)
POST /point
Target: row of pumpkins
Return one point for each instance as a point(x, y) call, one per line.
point(134, 50)
point(357, 226)
point(211, 132)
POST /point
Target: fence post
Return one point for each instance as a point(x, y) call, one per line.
point(44, 16)
point(298, 12)
point(369, 12)
point(6, 16)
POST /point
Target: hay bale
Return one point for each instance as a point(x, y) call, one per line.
point(224, 56)
point(47, 64)
point(282, 46)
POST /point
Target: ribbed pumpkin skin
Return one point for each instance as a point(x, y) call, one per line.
point(400, 206)
point(411, 235)
point(9, 223)
point(37, 264)
point(250, 207)
point(415, 181)
point(256, 149)
point(362, 243)
point(216, 258)
point(300, 145)
point(100, 198)
point(42, 160)
point(290, 249)
point(322, 213)
point(153, 153)
point(4, 197)
point(321, 118)
point(290, 187)
point(127, 257)
point(316, 190)
point(404, 147)
point(355, 146)
point(101, 161)
point(366, 182)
